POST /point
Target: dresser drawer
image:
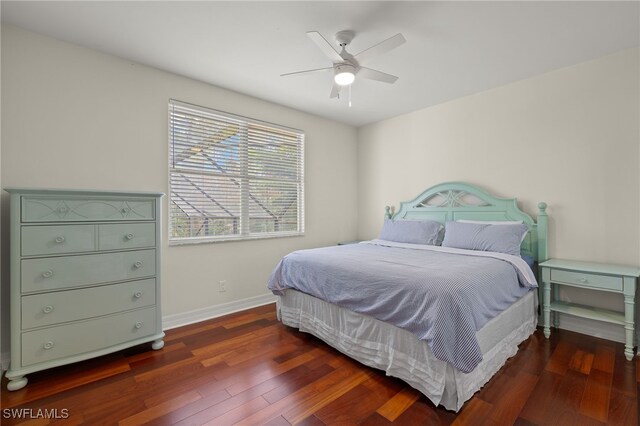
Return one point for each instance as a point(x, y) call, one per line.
point(81, 337)
point(67, 209)
point(126, 235)
point(587, 280)
point(45, 240)
point(83, 270)
point(46, 309)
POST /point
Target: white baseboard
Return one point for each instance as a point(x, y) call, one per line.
point(593, 328)
point(185, 318)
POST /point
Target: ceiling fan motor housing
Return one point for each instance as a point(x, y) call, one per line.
point(343, 38)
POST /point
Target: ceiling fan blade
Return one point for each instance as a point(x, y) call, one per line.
point(335, 91)
point(380, 48)
point(376, 75)
point(305, 72)
point(325, 46)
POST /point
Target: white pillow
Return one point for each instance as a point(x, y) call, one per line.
point(495, 222)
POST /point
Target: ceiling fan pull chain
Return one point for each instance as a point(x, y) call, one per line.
point(349, 96)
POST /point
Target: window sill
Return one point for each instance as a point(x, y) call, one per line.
point(228, 238)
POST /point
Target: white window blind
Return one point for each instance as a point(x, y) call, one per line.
point(232, 177)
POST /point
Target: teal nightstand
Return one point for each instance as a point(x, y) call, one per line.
point(592, 276)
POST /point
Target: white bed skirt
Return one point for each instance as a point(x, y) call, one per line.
point(399, 353)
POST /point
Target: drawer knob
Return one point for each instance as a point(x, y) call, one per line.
point(138, 325)
point(48, 345)
point(129, 236)
point(62, 209)
point(47, 309)
point(60, 239)
point(47, 274)
point(125, 210)
point(583, 280)
point(138, 264)
point(137, 294)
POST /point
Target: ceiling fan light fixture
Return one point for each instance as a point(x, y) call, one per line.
point(344, 75)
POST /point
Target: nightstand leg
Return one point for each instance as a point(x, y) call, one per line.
point(629, 309)
point(556, 315)
point(546, 307)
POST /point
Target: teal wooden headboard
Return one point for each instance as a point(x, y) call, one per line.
point(455, 200)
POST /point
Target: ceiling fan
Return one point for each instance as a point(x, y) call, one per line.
point(347, 66)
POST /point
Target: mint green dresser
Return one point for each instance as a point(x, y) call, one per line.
point(85, 276)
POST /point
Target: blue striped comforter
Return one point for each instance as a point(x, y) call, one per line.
point(441, 295)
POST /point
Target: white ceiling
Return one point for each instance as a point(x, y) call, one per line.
point(453, 49)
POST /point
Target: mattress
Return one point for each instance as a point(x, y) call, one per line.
point(441, 295)
point(400, 354)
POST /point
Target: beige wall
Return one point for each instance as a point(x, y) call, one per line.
point(570, 138)
point(76, 118)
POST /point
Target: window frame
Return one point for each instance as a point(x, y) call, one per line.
point(244, 224)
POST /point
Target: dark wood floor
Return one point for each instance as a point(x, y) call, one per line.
point(247, 368)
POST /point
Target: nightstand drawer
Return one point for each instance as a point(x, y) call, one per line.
point(78, 338)
point(587, 280)
point(126, 235)
point(52, 308)
point(75, 271)
point(63, 209)
point(45, 240)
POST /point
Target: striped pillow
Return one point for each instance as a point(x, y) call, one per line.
point(411, 231)
point(474, 236)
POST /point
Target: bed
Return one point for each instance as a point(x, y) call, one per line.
point(352, 299)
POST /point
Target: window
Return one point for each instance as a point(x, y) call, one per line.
point(232, 177)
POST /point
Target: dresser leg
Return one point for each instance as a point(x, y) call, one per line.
point(157, 345)
point(17, 383)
